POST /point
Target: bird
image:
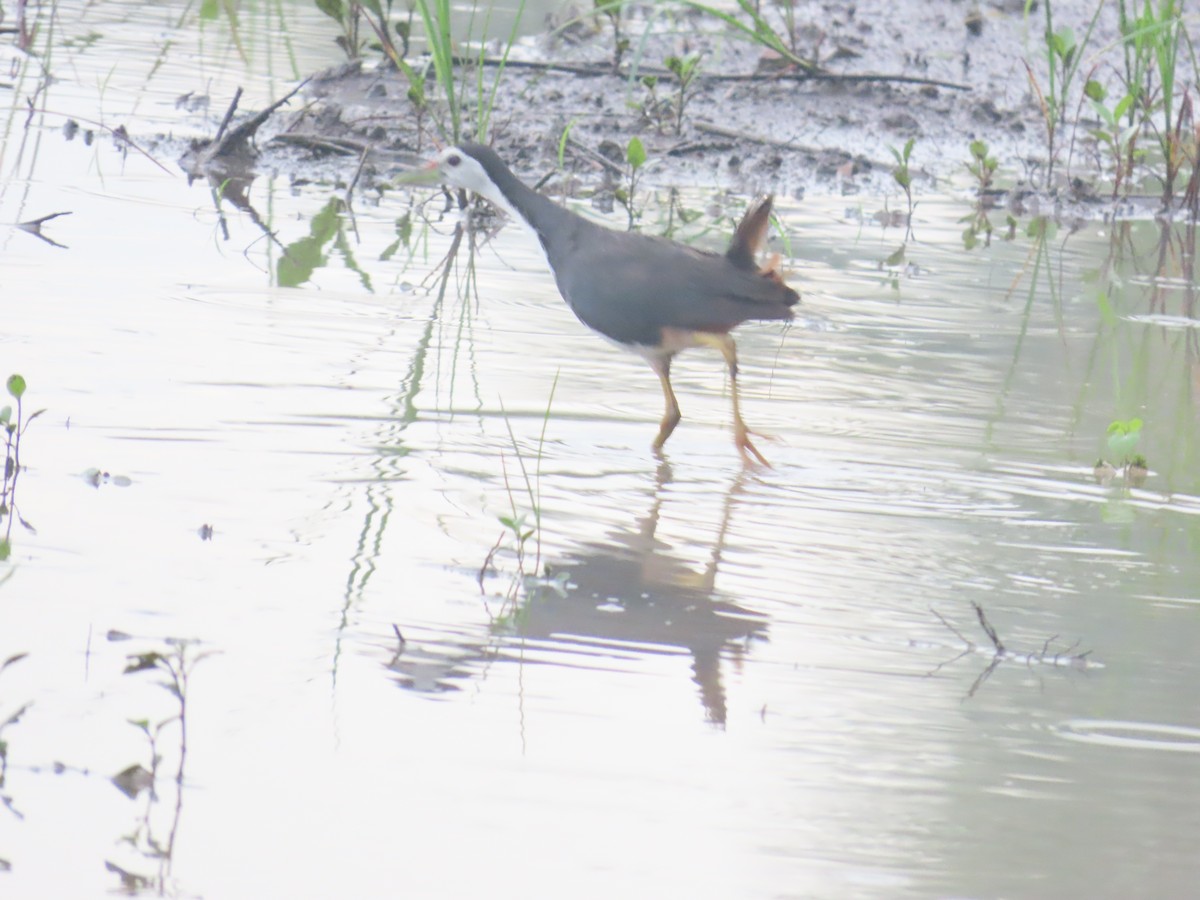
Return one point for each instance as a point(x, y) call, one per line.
point(648, 294)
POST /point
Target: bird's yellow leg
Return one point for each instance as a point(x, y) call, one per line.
point(741, 434)
point(671, 415)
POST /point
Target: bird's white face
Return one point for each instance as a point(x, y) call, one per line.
point(462, 171)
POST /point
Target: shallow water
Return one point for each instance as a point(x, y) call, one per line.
point(729, 683)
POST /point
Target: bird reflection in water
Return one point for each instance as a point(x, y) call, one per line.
point(628, 593)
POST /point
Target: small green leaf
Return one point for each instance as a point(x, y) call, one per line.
point(979, 149)
point(335, 9)
point(1094, 90)
point(1123, 438)
point(1063, 42)
point(16, 386)
point(1122, 106)
point(635, 153)
point(562, 141)
point(141, 662)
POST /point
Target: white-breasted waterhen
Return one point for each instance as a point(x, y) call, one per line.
point(651, 295)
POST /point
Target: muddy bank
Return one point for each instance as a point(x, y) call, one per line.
point(940, 73)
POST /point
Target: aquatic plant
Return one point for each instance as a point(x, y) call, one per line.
point(518, 528)
point(1165, 28)
point(347, 15)
point(1147, 101)
point(902, 174)
point(484, 107)
point(327, 232)
point(14, 426)
point(1118, 137)
point(758, 29)
point(982, 165)
point(611, 10)
point(635, 159)
point(10, 718)
point(1063, 53)
point(685, 69)
point(435, 17)
point(1123, 437)
point(175, 662)
point(563, 139)
point(650, 106)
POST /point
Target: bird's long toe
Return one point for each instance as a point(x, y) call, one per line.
point(750, 454)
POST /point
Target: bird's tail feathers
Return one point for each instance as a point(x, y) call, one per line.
point(750, 237)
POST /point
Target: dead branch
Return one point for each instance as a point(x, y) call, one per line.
point(1001, 654)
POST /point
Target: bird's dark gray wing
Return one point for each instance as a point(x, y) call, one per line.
point(629, 287)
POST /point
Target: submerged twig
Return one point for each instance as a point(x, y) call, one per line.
point(233, 105)
point(1001, 654)
point(988, 629)
point(34, 227)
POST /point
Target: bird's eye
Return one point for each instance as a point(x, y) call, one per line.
point(453, 161)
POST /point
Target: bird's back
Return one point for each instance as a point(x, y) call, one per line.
point(630, 286)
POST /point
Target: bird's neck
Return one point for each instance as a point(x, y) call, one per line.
point(523, 203)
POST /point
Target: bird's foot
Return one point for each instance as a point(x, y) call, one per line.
point(750, 454)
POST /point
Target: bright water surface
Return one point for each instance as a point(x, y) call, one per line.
point(738, 686)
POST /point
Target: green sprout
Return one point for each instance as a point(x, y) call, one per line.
point(635, 157)
point(1123, 438)
point(982, 165)
point(685, 69)
point(902, 174)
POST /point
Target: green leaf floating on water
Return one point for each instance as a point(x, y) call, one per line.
point(1123, 437)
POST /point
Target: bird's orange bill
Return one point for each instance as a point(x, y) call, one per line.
point(427, 174)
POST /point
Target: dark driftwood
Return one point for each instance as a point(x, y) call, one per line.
point(232, 146)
